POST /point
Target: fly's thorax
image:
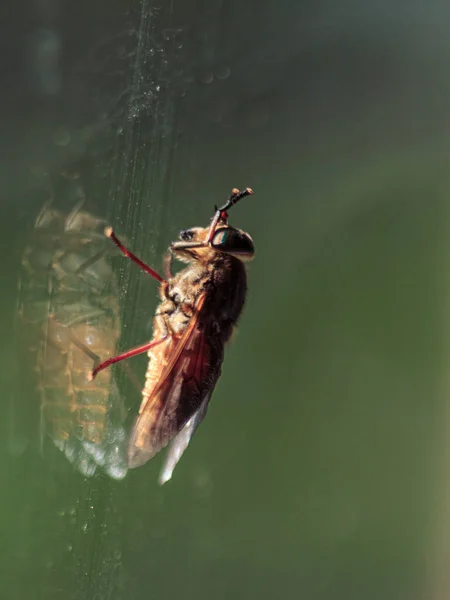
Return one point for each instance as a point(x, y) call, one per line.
point(224, 282)
point(187, 285)
point(179, 320)
point(221, 276)
point(228, 288)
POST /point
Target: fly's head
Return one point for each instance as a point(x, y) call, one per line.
point(191, 244)
point(203, 243)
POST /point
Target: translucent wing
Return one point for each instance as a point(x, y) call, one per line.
point(181, 441)
point(187, 380)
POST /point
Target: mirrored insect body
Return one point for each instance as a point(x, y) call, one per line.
point(68, 313)
point(200, 306)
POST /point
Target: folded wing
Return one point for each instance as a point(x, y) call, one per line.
point(181, 441)
point(183, 388)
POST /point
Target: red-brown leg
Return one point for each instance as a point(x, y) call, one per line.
point(110, 233)
point(124, 356)
point(96, 359)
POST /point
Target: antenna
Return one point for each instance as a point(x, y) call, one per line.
point(236, 195)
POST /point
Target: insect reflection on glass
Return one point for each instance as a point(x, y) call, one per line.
point(199, 308)
point(68, 313)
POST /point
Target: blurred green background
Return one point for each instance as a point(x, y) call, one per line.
point(322, 468)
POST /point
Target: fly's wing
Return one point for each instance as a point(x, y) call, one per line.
point(187, 380)
point(181, 441)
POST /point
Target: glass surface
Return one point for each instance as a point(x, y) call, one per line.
point(322, 468)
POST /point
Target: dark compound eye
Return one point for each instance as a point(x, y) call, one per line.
point(233, 241)
point(186, 235)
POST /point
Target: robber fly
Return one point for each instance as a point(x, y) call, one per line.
point(199, 308)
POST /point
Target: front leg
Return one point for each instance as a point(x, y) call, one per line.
point(141, 264)
point(123, 356)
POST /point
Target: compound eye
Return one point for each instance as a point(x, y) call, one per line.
point(234, 242)
point(186, 235)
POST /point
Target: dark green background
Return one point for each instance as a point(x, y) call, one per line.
point(322, 469)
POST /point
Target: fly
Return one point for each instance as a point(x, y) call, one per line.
point(199, 308)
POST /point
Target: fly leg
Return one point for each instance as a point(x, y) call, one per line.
point(110, 233)
point(96, 359)
point(163, 331)
point(124, 356)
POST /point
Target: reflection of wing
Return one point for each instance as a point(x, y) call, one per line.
point(181, 441)
point(188, 378)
